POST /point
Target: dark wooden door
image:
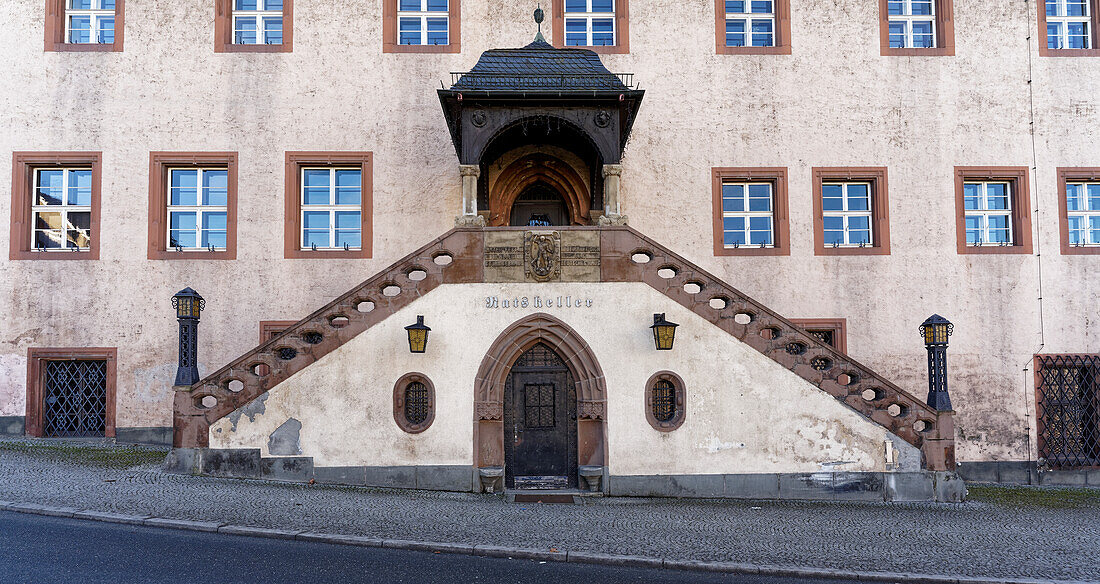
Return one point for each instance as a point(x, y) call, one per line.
point(540, 419)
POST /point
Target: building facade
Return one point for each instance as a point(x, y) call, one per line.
point(852, 166)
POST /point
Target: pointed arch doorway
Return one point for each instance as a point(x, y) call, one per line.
point(541, 361)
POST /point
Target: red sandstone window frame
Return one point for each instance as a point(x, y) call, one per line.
point(781, 230)
point(295, 161)
point(223, 31)
point(839, 327)
point(159, 165)
point(1067, 175)
point(1094, 29)
point(24, 165)
point(880, 208)
point(680, 413)
point(55, 30)
point(622, 29)
point(1017, 177)
point(390, 31)
point(35, 389)
point(269, 329)
point(399, 402)
point(782, 32)
point(945, 32)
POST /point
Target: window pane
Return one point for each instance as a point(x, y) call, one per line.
point(182, 220)
point(80, 187)
point(244, 30)
point(81, 4)
point(733, 198)
point(79, 230)
point(47, 239)
point(347, 220)
point(576, 6)
point(603, 25)
point(437, 31)
point(349, 238)
point(1076, 230)
point(1095, 229)
point(181, 238)
point(316, 238)
point(761, 6)
point(858, 198)
point(922, 35)
point(1073, 197)
point(972, 196)
point(50, 185)
point(213, 238)
point(921, 7)
point(316, 187)
point(1094, 197)
point(760, 230)
point(1052, 7)
point(733, 231)
point(437, 5)
point(1054, 35)
point(735, 6)
point(1078, 35)
point(315, 220)
point(735, 33)
point(80, 29)
point(733, 223)
point(411, 5)
point(831, 197)
point(998, 229)
point(895, 7)
point(184, 190)
point(273, 4)
point(213, 221)
point(215, 187)
point(246, 5)
point(603, 5)
point(348, 187)
point(105, 29)
point(897, 35)
point(273, 30)
point(997, 196)
point(974, 229)
point(47, 220)
point(576, 25)
point(762, 33)
point(1076, 8)
point(760, 197)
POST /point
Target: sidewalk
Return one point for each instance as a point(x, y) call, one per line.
point(1000, 533)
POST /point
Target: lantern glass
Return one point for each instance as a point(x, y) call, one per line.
point(418, 335)
point(188, 303)
point(664, 332)
point(936, 330)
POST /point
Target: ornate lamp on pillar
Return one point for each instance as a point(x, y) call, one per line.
point(189, 306)
point(935, 331)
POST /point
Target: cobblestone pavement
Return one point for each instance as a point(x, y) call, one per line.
point(1000, 533)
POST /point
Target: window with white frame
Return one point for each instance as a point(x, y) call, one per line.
point(332, 212)
point(912, 24)
point(62, 209)
point(90, 21)
point(423, 22)
point(1083, 213)
point(846, 214)
point(590, 23)
point(988, 212)
point(197, 208)
point(750, 23)
point(1068, 23)
point(747, 214)
point(258, 22)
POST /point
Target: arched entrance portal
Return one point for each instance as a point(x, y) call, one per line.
point(540, 406)
point(539, 205)
point(536, 351)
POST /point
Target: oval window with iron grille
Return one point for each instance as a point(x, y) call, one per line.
point(665, 401)
point(414, 402)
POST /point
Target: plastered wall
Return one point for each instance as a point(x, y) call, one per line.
point(833, 102)
point(744, 412)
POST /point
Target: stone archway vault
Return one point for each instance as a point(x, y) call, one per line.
point(534, 168)
point(495, 366)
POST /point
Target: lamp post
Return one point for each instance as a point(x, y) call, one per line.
point(936, 331)
point(188, 305)
point(664, 332)
point(418, 335)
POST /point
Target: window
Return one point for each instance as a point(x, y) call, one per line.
point(750, 211)
point(71, 392)
point(831, 331)
point(84, 25)
point(192, 205)
point(421, 26)
point(760, 27)
point(665, 401)
point(1067, 398)
point(414, 403)
point(55, 205)
point(1079, 207)
point(1067, 28)
point(992, 206)
point(917, 27)
point(258, 26)
point(600, 25)
point(851, 211)
point(328, 205)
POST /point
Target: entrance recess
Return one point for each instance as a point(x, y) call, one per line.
point(540, 421)
point(539, 205)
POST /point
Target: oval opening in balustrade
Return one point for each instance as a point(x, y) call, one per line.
point(719, 302)
point(873, 394)
point(417, 274)
point(922, 426)
point(443, 259)
point(260, 369)
point(693, 287)
point(667, 272)
point(312, 337)
point(235, 385)
point(744, 318)
point(391, 290)
point(795, 348)
point(847, 378)
point(338, 321)
point(768, 333)
point(208, 401)
point(641, 257)
point(364, 306)
point(286, 353)
point(822, 364)
point(897, 410)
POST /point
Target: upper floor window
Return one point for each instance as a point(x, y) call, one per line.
point(589, 23)
point(747, 214)
point(198, 208)
point(1083, 210)
point(62, 209)
point(912, 24)
point(750, 23)
point(258, 22)
point(422, 22)
point(988, 208)
point(90, 21)
point(851, 211)
point(1069, 24)
point(331, 213)
point(992, 206)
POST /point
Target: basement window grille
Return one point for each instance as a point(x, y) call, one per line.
point(416, 403)
point(1068, 410)
point(75, 398)
point(664, 401)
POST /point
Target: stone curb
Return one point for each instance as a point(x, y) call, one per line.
point(551, 555)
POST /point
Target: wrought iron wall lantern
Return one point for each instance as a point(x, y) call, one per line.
point(189, 306)
point(664, 332)
point(418, 335)
point(936, 330)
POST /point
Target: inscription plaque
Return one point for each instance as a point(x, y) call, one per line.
point(542, 256)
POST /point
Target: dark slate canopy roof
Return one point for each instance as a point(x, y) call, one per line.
point(539, 67)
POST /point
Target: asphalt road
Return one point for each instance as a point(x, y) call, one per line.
point(37, 549)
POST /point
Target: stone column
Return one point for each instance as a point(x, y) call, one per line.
point(611, 210)
point(469, 216)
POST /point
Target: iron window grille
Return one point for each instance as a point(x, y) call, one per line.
point(75, 398)
point(90, 22)
point(912, 24)
point(417, 403)
point(198, 200)
point(1068, 410)
point(1069, 24)
point(423, 22)
point(258, 22)
point(1083, 213)
point(747, 214)
point(590, 23)
point(331, 200)
point(750, 23)
point(664, 401)
point(988, 213)
point(62, 209)
point(846, 216)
